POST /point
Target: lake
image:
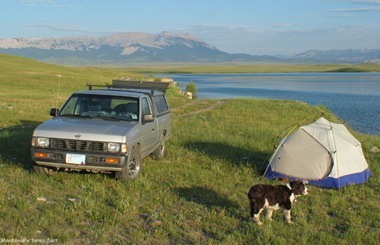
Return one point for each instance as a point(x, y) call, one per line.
point(353, 97)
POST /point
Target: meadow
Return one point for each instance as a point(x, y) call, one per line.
point(252, 68)
point(195, 195)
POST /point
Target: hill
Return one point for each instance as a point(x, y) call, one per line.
point(165, 47)
point(196, 195)
point(121, 48)
point(341, 56)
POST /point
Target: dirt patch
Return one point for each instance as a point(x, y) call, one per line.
point(212, 107)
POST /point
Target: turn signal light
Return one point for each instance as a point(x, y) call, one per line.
point(41, 154)
point(112, 160)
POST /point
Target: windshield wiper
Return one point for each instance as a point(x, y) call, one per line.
point(74, 115)
point(109, 118)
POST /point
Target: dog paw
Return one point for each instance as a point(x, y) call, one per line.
point(257, 221)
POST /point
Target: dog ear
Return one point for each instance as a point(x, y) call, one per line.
point(302, 181)
point(292, 183)
point(297, 182)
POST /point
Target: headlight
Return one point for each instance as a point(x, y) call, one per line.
point(124, 148)
point(42, 142)
point(113, 147)
point(116, 147)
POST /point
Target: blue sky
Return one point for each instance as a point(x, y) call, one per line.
point(236, 26)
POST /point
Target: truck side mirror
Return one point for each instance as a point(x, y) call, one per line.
point(148, 118)
point(54, 112)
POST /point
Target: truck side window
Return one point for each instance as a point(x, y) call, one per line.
point(71, 106)
point(145, 107)
point(161, 103)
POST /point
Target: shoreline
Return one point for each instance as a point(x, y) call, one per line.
point(238, 68)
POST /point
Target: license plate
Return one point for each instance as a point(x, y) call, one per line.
point(76, 159)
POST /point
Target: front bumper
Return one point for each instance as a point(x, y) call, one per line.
point(92, 161)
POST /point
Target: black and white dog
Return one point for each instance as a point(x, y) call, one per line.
point(271, 198)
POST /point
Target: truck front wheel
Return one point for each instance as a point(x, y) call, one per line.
point(133, 167)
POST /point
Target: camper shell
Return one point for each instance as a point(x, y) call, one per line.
point(107, 128)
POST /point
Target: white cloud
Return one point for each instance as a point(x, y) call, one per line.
point(35, 1)
point(58, 28)
point(367, 2)
point(69, 30)
point(345, 10)
point(353, 8)
point(286, 41)
point(49, 3)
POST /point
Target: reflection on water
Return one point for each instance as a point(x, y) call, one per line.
point(354, 97)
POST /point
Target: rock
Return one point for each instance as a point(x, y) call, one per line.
point(41, 199)
point(375, 149)
point(189, 95)
point(72, 199)
point(167, 80)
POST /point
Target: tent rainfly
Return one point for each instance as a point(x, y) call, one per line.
point(324, 153)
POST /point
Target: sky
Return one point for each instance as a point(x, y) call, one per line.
point(257, 27)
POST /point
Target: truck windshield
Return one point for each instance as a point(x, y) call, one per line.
point(102, 107)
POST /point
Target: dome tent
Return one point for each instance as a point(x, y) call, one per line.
point(324, 153)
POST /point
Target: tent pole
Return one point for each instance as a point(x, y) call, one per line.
point(270, 159)
point(336, 154)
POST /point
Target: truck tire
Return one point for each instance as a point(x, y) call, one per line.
point(133, 167)
point(159, 152)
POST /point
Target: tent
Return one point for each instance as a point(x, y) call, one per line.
point(324, 153)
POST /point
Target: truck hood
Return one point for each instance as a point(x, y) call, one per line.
point(84, 129)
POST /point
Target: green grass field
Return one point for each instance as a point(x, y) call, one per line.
point(253, 68)
point(196, 195)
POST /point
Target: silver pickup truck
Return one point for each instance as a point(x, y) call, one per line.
point(106, 129)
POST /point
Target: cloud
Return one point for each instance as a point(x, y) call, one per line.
point(345, 10)
point(49, 3)
point(58, 28)
point(355, 8)
point(367, 2)
point(369, 6)
point(286, 41)
point(34, 1)
point(68, 30)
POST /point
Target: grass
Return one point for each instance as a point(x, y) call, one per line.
point(255, 68)
point(197, 194)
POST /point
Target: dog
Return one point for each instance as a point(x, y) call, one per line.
point(271, 198)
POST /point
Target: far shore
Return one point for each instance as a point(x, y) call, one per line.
point(205, 68)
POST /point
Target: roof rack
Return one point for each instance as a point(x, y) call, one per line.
point(160, 86)
point(123, 84)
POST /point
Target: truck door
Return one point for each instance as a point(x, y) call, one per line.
point(149, 129)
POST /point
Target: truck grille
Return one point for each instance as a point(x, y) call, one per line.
point(77, 145)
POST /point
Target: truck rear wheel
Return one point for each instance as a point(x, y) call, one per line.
point(133, 167)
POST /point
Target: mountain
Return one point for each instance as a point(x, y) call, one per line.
point(341, 56)
point(131, 47)
point(139, 47)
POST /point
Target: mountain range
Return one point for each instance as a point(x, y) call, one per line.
point(138, 47)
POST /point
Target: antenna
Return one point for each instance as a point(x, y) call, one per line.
point(59, 83)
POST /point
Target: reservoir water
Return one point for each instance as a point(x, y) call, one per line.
point(353, 97)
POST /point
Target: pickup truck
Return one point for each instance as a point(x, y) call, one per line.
point(105, 129)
